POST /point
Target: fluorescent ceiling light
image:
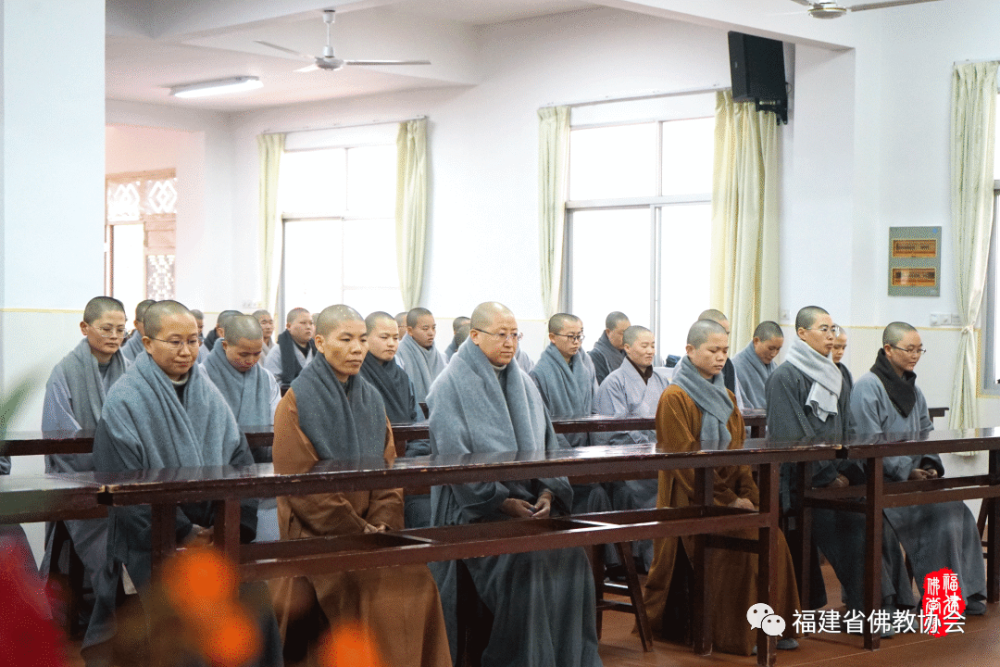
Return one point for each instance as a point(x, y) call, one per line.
point(217, 87)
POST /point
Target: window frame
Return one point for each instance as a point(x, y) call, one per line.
point(989, 384)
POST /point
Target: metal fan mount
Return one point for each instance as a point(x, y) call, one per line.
point(833, 10)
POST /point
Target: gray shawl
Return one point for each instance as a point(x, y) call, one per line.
point(470, 412)
point(712, 398)
point(133, 346)
point(86, 386)
point(567, 392)
point(606, 357)
point(826, 378)
point(343, 424)
point(145, 426)
point(248, 394)
point(422, 366)
point(752, 374)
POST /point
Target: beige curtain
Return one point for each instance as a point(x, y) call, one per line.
point(553, 164)
point(974, 94)
point(411, 209)
point(270, 147)
point(744, 281)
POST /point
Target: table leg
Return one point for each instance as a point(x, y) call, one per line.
point(993, 533)
point(873, 548)
point(163, 534)
point(767, 543)
point(701, 622)
point(227, 528)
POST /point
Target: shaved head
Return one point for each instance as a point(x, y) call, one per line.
point(485, 313)
point(157, 311)
point(806, 317)
point(333, 316)
point(99, 305)
point(700, 331)
point(559, 320)
point(894, 333)
point(198, 315)
point(458, 323)
point(767, 330)
point(293, 315)
point(614, 318)
point(224, 317)
point(632, 333)
point(415, 314)
point(378, 316)
point(140, 310)
point(242, 327)
point(714, 315)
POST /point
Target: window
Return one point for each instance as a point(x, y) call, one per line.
point(140, 228)
point(991, 348)
point(639, 224)
point(339, 228)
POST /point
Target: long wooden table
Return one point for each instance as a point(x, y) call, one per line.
point(879, 494)
point(163, 490)
point(30, 498)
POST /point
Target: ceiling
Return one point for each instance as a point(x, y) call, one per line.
point(155, 44)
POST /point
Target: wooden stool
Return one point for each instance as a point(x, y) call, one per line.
point(631, 588)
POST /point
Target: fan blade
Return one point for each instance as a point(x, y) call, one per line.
point(387, 62)
point(805, 3)
point(281, 48)
point(308, 68)
point(883, 5)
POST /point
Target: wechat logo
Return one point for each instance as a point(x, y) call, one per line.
point(762, 616)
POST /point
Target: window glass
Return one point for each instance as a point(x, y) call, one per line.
point(371, 180)
point(313, 264)
point(616, 161)
point(688, 151)
point(686, 249)
point(314, 182)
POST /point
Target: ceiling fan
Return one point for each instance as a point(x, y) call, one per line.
point(832, 10)
point(328, 61)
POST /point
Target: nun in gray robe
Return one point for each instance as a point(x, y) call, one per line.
point(275, 363)
point(752, 375)
point(934, 536)
point(422, 366)
point(74, 397)
point(606, 357)
point(624, 393)
point(543, 602)
point(147, 425)
point(795, 413)
point(523, 360)
point(253, 397)
point(133, 346)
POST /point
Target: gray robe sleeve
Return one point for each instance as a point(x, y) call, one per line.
point(272, 362)
point(57, 410)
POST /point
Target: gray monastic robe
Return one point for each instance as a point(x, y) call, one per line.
point(253, 397)
point(450, 351)
point(145, 425)
point(421, 365)
point(523, 360)
point(839, 535)
point(203, 353)
point(133, 346)
point(543, 602)
point(606, 357)
point(752, 375)
point(272, 362)
point(624, 394)
point(74, 398)
point(934, 536)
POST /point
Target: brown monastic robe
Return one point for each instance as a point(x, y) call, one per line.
point(399, 605)
point(732, 574)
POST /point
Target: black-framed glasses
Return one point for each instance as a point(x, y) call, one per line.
point(920, 351)
point(573, 338)
point(109, 332)
point(176, 345)
point(503, 337)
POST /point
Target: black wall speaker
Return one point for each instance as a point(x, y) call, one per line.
point(757, 68)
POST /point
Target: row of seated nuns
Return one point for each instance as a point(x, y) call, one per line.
point(161, 398)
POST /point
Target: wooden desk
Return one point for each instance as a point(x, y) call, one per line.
point(226, 486)
point(30, 498)
point(879, 494)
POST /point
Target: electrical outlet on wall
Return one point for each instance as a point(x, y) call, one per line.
point(935, 318)
point(784, 315)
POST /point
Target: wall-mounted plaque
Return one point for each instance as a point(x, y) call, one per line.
point(914, 261)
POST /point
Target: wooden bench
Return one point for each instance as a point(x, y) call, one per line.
point(163, 490)
point(879, 494)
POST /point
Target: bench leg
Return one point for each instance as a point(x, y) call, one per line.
point(596, 553)
point(873, 549)
point(992, 534)
point(624, 550)
point(701, 615)
point(163, 534)
point(767, 545)
point(226, 535)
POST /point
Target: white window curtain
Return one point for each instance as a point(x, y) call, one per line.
point(270, 147)
point(744, 282)
point(411, 209)
point(974, 93)
point(553, 164)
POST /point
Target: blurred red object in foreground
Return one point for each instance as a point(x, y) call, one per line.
point(27, 636)
point(203, 589)
point(350, 645)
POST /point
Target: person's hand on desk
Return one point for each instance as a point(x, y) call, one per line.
point(742, 504)
point(198, 537)
point(372, 528)
point(918, 474)
point(543, 507)
point(839, 483)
